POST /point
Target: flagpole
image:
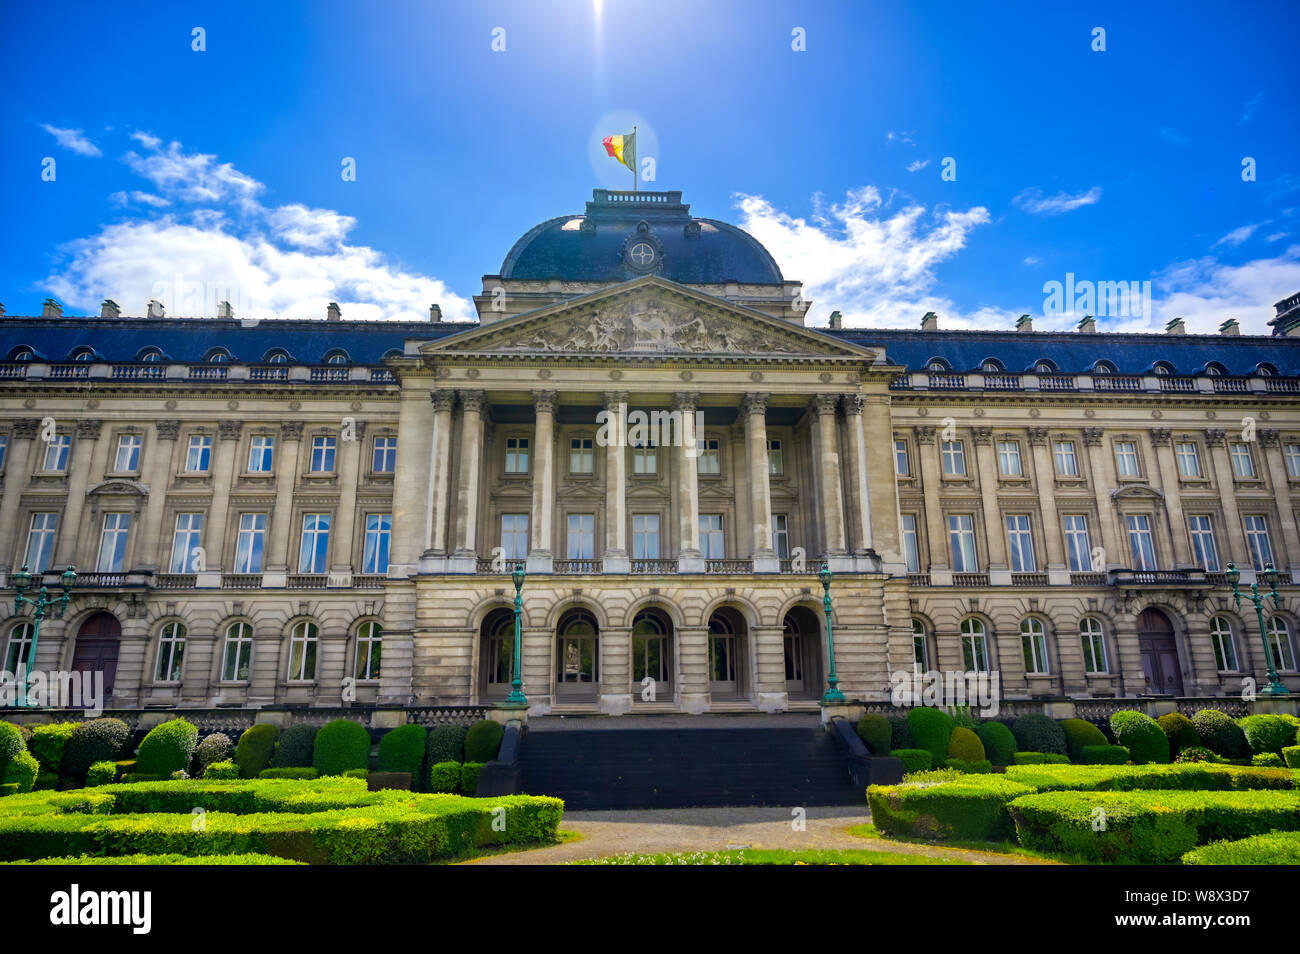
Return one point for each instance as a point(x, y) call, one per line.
point(634, 146)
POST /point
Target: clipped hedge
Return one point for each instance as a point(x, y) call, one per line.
point(402, 749)
point(900, 733)
point(101, 773)
point(221, 770)
point(1291, 755)
point(291, 772)
point(22, 771)
point(1180, 731)
point(253, 753)
point(971, 808)
point(1267, 760)
point(216, 747)
point(444, 777)
point(1142, 736)
point(1268, 733)
point(1104, 755)
point(483, 740)
point(999, 743)
point(341, 745)
point(1275, 848)
point(1220, 734)
point(1036, 732)
point(1039, 758)
point(48, 742)
point(168, 747)
point(248, 859)
point(977, 767)
point(914, 760)
point(469, 778)
point(931, 730)
point(295, 747)
point(1080, 734)
point(95, 740)
point(875, 733)
point(965, 746)
point(11, 744)
point(446, 744)
point(1200, 776)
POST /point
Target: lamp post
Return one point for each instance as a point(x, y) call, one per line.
point(1275, 686)
point(517, 699)
point(833, 693)
point(40, 603)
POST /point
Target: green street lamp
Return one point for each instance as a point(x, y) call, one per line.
point(517, 699)
point(40, 603)
point(833, 693)
point(1275, 686)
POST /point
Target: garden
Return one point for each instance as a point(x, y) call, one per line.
point(1208, 789)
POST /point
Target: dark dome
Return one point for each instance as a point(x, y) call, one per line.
point(627, 234)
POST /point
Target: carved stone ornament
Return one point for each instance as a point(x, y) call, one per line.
point(168, 430)
point(442, 400)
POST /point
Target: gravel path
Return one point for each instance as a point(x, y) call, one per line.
point(651, 831)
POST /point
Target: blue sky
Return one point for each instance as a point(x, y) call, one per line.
point(201, 172)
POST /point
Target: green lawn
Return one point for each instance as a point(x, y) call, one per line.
point(750, 856)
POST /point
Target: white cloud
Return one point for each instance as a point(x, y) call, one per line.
point(1207, 292)
point(140, 198)
point(1032, 260)
point(1034, 202)
point(310, 228)
point(72, 140)
point(1276, 236)
point(190, 177)
point(1239, 235)
point(903, 137)
point(917, 165)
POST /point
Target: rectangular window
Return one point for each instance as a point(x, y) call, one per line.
point(1291, 452)
point(581, 460)
point(374, 553)
point(1243, 465)
point(582, 536)
point(1225, 653)
point(198, 458)
point(1141, 543)
point(516, 455)
point(709, 460)
point(961, 535)
point(1093, 643)
point(975, 650)
point(40, 542)
point(385, 455)
point(1020, 543)
point(1078, 546)
point(781, 536)
point(1126, 458)
point(1033, 642)
point(1067, 463)
point(261, 454)
point(250, 548)
point(1189, 459)
point(645, 461)
point(1009, 459)
point(911, 546)
point(127, 458)
point(514, 536)
point(313, 555)
point(112, 543)
point(645, 536)
point(1261, 550)
point(186, 543)
point(920, 651)
point(954, 458)
point(902, 466)
point(1204, 552)
point(56, 453)
point(775, 458)
point(323, 449)
point(711, 543)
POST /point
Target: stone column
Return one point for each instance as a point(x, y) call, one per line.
point(1045, 479)
point(152, 551)
point(439, 475)
point(832, 491)
point(768, 644)
point(760, 490)
point(1167, 469)
point(1112, 540)
point(286, 476)
point(615, 555)
point(1287, 556)
point(70, 529)
point(345, 521)
point(464, 560)
point(987, 468)
point(1237, 551)
point(689, 558)
point(881, 484)
point(18, 467)
point(927, 453)
point(859, 491)
point(223, 468)
point(692, 686)
point(541, 555)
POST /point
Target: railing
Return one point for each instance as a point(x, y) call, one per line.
point(1116, 382)
point(16, 370)
point(487, 565)
point(1289, 385)
point(728, 566)
point(307, 581)
point(970, 579)
point(654, 566)
point(809, 566)
point(1230, 385)
point(80, 370)
point(575, 566)
point(1028, 579)
point(102, 580)
point(1002, 382)
point(242, 581)
point(209, 372)
point(947, 380)
point(381, 374)
point(1177, 384)
point(329, 374)
point(1233, 706)
point(1157, 577)
point(139, 372)
point(1057, 382)
point(268, 373)
point(901, 383)
point(368, 582)
point(446, 715)
point(1088, 579)
point(175, 581)
point(918, 579)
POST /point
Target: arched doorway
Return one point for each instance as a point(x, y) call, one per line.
point(96, 648)
point(652, 656)
point(496, 654)
point(577, 664)
point(728, 654)
point(1160, 664)
point(803, 653)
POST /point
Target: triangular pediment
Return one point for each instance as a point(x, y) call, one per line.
point(645, 318)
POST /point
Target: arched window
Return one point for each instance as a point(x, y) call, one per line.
point(18, 651)
point(22, 354)
point(937, 364)
point(237, 655)
point(1163, 367)
point(974, 645)
point(650, 651)
point(302, 651)
point(151, 355)
point(1264, 369)
point(218, 356)
point(83, 354)
point(1215, 369)
point(991, 366)
point(920, 647)
point(277, 357)
point(337, 357)
point(1279, 643)
point(1033, 641)
point(370, 639)
point(1044, 367)
point(171, 653)
point(1093, 642)
point(1225, 651)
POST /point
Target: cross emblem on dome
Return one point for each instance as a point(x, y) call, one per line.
point(641, 254)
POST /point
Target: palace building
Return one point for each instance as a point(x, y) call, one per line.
point(289, 512)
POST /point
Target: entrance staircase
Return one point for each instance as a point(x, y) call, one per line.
point(706, 761)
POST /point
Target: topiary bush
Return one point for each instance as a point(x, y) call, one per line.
point(1196, 753)
point(900, 733)
point(1142, 736)
point(402, 749)
point(1036, 732)
point(444, 777)
point(446, 744)
point(978, 767)
point(296, 746)
point(931, 730)
point(216, 747)
point(22, 771)
point(289, 771)
point(253, 753)
point(1267, 733)
point(875, 733)
point(169, 747)
point(1220, 734)
point(220, 770)
point(45, 781)
point(1079, 734)
point(48, 742)
point(101, 773)
point(1104, 754)
point(1040, 758)
point(341, 745)
point(356, 773)
point(469, 777)
point(1264, 759)
point(999, 743)
point(965, 745)
point(914, 760)
point(1180, 731)
point(1291, 756)
point(95, 740)
point(11, 744)
point(483, 741)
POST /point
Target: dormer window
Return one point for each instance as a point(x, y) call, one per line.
point(22, 354)
point(83, 354)
point(1266, 370)
point(151, 356)
point(937, 364)
point(277, 357)
point(1103, 367)
point(1044, 367)
point(218, 356)
point(991, 367)
point(1162, 369)
point(1214, 369)
point(336, 357)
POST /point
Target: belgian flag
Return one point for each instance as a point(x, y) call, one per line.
point(622, 148)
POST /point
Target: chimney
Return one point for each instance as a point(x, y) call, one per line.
point(333, 312)
point(224, 310)
point(156, 309)
point(1176, 326)
point(435, 313)
point(1230, 327)
point(1287, 320)
point(51, 309)
point(837, 321)
point(930, 322)
point(1024, 323)
point(108, 309)
point(1088, 325)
